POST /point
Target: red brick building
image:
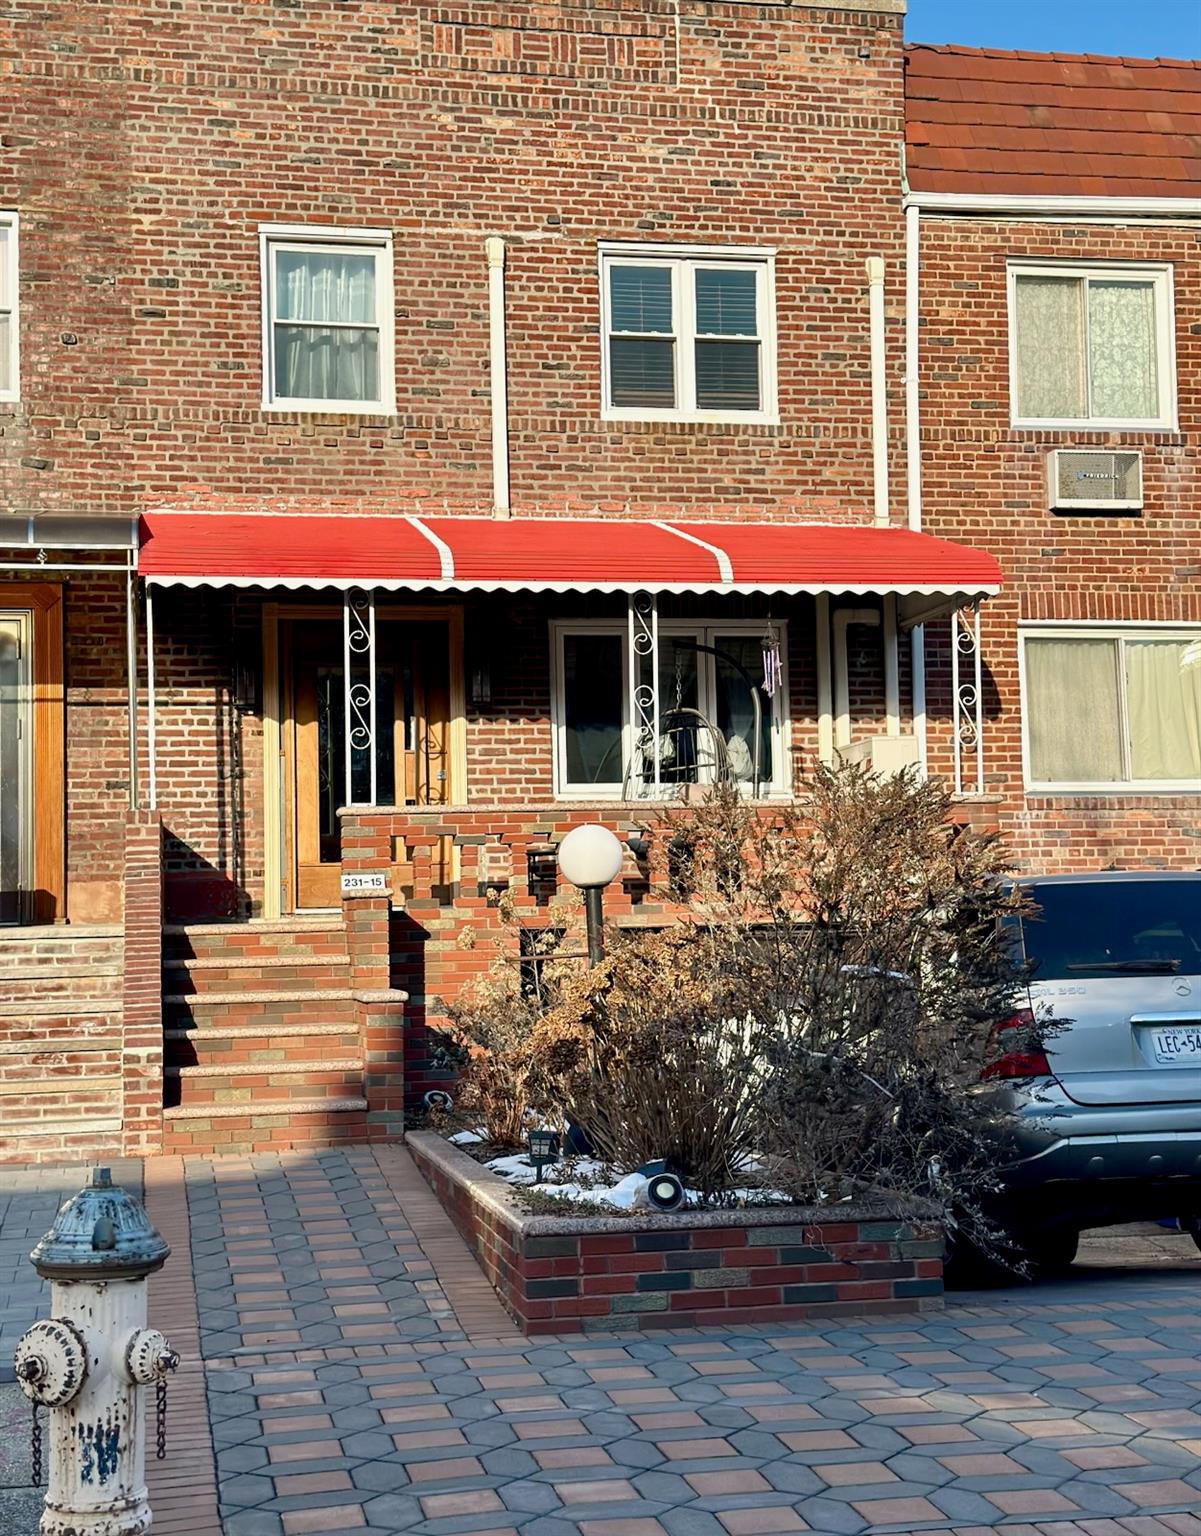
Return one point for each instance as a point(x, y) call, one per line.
point(1054, 242)
point(481, 391)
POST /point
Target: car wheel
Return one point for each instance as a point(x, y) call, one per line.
point(1016, 1257)
point(1052, 1253)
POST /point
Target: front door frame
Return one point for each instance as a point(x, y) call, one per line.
point(45, 893)
point(279, 875)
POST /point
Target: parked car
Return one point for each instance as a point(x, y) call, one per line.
point(1102, 1120)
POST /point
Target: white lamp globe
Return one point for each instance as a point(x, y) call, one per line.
point(590, 857)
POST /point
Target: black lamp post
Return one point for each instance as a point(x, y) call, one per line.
point(591, 857)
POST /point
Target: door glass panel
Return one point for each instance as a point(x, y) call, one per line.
point(12, 774)
point(738, 668)
point(331, 755)
point(686, 746)
point(593, 708)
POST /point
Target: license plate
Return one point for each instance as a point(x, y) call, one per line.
point(1179, 1046)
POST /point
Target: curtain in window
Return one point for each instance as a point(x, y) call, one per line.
point(314, 359)
point(1050, 347)
point(1163, 703)
point(1072, 711)
point(1121, 350)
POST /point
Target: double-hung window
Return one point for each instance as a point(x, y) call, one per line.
point(1091, 346)
point(327, 320)
point(9, 341)
point(689, 334)
point(708, 686)
point(1112, 707)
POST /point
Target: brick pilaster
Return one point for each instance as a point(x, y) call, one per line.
point(142, 986)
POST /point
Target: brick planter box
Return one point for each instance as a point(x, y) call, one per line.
point(559, 1274)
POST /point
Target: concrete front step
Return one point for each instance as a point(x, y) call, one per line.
point(263, 1046)
point(256, 940)
point(258, 1086)
point(199, 1129)
point(222, 998)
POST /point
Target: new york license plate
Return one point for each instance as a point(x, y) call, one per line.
point(1178, 1045)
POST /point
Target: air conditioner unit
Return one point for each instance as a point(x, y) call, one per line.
point(1084, 480)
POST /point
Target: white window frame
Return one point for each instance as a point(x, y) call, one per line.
point(683, 261)
point(316, 237)
point(1087, 629)
point(1161, 277)
point(702, 630)
point(10, 221)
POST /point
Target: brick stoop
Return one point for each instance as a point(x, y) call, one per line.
point(262, 1037)
point(562, 1274)
point(61, 1043)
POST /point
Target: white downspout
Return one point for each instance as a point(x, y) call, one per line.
point(875, 310)
point(498, 359)
point(151, 724)
point(913, 463)
point(843, 618)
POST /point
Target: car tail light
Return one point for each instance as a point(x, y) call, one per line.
point(1010, 1051)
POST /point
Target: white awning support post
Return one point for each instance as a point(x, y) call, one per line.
point(967, 692)
point(151, 723)
point(825, 695)
point(358, 691)
point(642, 636)
point(131, 678)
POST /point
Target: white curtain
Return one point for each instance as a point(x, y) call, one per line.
point(1163, 682)
point(1050, 347)
point(1072, 711)
point(1121, 350)
point(315, 360)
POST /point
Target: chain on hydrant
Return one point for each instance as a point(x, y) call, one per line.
point(90, 1363)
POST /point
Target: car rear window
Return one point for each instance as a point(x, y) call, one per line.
point(1115, 927)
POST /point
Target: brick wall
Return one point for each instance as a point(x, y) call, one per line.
point(562, 1274)
point(985, 483)
point(146, 140)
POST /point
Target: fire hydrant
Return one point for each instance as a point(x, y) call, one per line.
point(89, 1363)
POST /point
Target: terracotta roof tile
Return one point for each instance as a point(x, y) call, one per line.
point(996, 120)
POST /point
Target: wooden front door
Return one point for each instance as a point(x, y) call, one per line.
point(412, 738)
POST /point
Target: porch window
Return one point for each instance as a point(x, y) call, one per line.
point(327, 320)
point(709, 677)
point(1113, 708)
point(689, 333)
point(8, 307)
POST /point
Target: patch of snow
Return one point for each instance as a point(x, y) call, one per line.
point(465, 1138)
point(619, 1196)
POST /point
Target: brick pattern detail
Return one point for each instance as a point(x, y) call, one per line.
point(142, 1005)
point(686, 1277)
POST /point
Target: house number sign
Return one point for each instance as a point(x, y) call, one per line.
point(365, 882)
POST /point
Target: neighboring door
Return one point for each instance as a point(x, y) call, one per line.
point(15, 740)
point(411, 748)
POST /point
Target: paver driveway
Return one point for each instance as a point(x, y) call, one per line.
point(345, 1392)
point(360, 1376)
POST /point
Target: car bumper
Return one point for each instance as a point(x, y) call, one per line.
point(1043, 1138)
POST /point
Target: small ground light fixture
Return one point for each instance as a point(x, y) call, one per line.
point(438, 1099)
point(663, 1191)
point(544, 1148)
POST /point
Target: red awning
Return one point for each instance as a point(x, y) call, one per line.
point(527, 554)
